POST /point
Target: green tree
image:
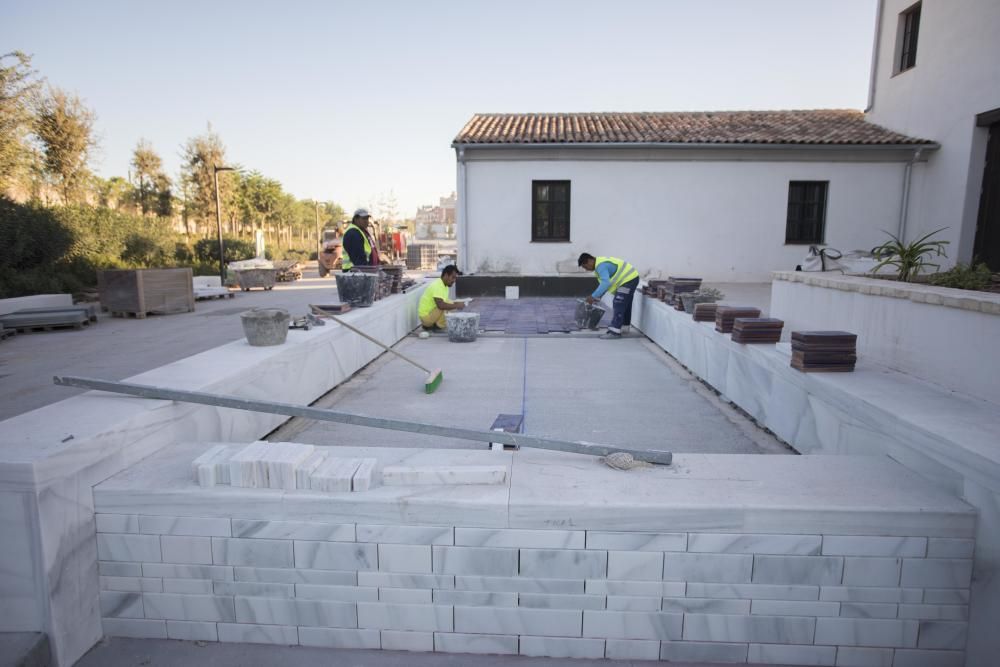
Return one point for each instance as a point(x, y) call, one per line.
point(113, 193)
point(17, 85)
point(65, 128)
point(259, 199)
point(148, 169)
point(200, 154)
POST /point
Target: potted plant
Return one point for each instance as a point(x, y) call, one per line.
point(704, 295)
point(909, 259)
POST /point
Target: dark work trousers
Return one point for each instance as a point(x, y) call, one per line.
point(623, 306)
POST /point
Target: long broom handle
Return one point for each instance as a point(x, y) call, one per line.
point(377, 342)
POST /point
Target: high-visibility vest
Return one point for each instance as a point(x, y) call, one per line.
point(345, 262)
point(623, 272)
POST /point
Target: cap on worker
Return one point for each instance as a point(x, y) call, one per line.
point(362, 213)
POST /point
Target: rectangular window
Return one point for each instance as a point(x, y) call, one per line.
point(806, 211)
point(550, 210)
point(909, 30)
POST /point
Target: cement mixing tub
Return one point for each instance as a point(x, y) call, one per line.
point(357, 288)
point(462, 327)
point(265, 326)
point(588, 315)
point(256, 278)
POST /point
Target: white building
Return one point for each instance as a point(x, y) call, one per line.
point(731, 196)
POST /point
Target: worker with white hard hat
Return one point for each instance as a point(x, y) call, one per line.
point(359, 246)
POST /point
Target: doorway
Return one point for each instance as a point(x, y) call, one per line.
point(986, 247)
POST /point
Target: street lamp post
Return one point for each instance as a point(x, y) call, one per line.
point(218, 220)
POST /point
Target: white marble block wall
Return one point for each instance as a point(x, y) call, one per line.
point(696, 596)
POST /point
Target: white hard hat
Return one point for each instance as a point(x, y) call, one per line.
point(361, 213)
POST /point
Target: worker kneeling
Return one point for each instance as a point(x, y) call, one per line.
point(618, 277)
point(434, 302)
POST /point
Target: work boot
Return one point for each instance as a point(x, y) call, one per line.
point(610, 335)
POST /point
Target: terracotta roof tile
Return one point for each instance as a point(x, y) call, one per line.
point(822, 126)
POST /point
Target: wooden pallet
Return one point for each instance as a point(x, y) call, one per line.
point(7, 333)
point(50, 327)
point(209, 297)
point(128, 314)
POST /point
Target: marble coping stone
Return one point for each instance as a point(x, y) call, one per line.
point(949, 297)
point(848, 495)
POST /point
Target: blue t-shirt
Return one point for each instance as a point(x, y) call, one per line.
point(604, 272)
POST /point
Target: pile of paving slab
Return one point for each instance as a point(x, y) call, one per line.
point(48, 318)
point(294, 466)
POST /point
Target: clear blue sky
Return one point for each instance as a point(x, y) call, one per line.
point(345, 101)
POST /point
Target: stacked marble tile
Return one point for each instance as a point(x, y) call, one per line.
point(757, 330)
point(725, 316)
point(212, 467)
point(824, 351)
point(337, 474)
point(704, 312)
point(677, 286)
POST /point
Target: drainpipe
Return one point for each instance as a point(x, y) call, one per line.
point(463, 211)
point(904, 204)
point(874, 70)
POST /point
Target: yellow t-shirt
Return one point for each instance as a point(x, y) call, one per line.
point(436, 289)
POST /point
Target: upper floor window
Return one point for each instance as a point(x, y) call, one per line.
point(906, 40)
point(806, 211)
point(550, 210)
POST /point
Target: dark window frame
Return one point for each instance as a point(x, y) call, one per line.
point(544, 227)
point(909, 33)
point(805, 218)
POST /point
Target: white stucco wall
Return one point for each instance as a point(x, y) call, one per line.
point(720, 220)
point(956, 76)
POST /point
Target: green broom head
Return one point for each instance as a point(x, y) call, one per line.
point(433, 381)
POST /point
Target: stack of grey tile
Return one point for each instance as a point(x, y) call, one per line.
point(757, 330)
point(677, 286)
point(824, 351)
point(725, 316)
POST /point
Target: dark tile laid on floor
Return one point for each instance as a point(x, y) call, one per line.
point(530, 315)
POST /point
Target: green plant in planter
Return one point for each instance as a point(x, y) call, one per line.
point(964, 276)
point(909, 258)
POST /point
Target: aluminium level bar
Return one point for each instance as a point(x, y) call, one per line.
point(319, 414)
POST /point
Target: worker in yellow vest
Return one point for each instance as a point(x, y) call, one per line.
point(620, 279)
point(359, 249)
point(434, 301)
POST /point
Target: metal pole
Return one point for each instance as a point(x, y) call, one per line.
point(319, 238)
point(291, 410)
point(218, 222)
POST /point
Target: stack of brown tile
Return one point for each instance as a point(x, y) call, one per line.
point(677, 286)
point(725, 315)
point(652, 288)
point(757, 330)
point(704, 312)
point(829, 351)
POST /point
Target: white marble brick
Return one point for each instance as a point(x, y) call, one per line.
point(244, 633)
point(519, 538)
point(792, 655)
point(335, 556)
point(366, 476)
point(632, 649)
point(181, 549)
point(183, 525)
point(708, 568)
point(256, 553)
point(114, 569)
point(192, 631)
point(635, 588)
point(560, 601)
point(313, 613)
point(869, 594)
point(635, 565)
point(212, 467)
point(305, 470)
point(393, 580)
point(924, 658)
point(253, 589)
point(945, 596)
point(820, 570)
point(632, 541)
point(130, 548)
point(518, 584)
point(948, 635)
point(189, 586)
point(752, 591)
point(794, 608)
point(571, 563)
point(188, 607)
point(633, 603)
point(519, 621)
point(293, 530)
point(117, 604)
point(281, 460)
point(632, 625)
point(853, 656)
point(868, 610)
point(117, 523)
point(734, 543)
point(334, 475)
point(704, 606)
point(395, 475)
point(458, 642)
point(866, 632)
point(761, 629)
point(475, 561)
point(339, 638)
point(297, 576)
point(562, 647)
point(932, 572)
point(132, 584)
point(399, 640)
point(171, 571)
point(940, 547)
point(897, 547)
point(442, 535)
point(417, 617)
point(475, 598)
point(405, 595)
point(407, 558)
point(861, 571)
point(341, 593)
point(244, 470)
point(139, 628)
point(685, 651)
